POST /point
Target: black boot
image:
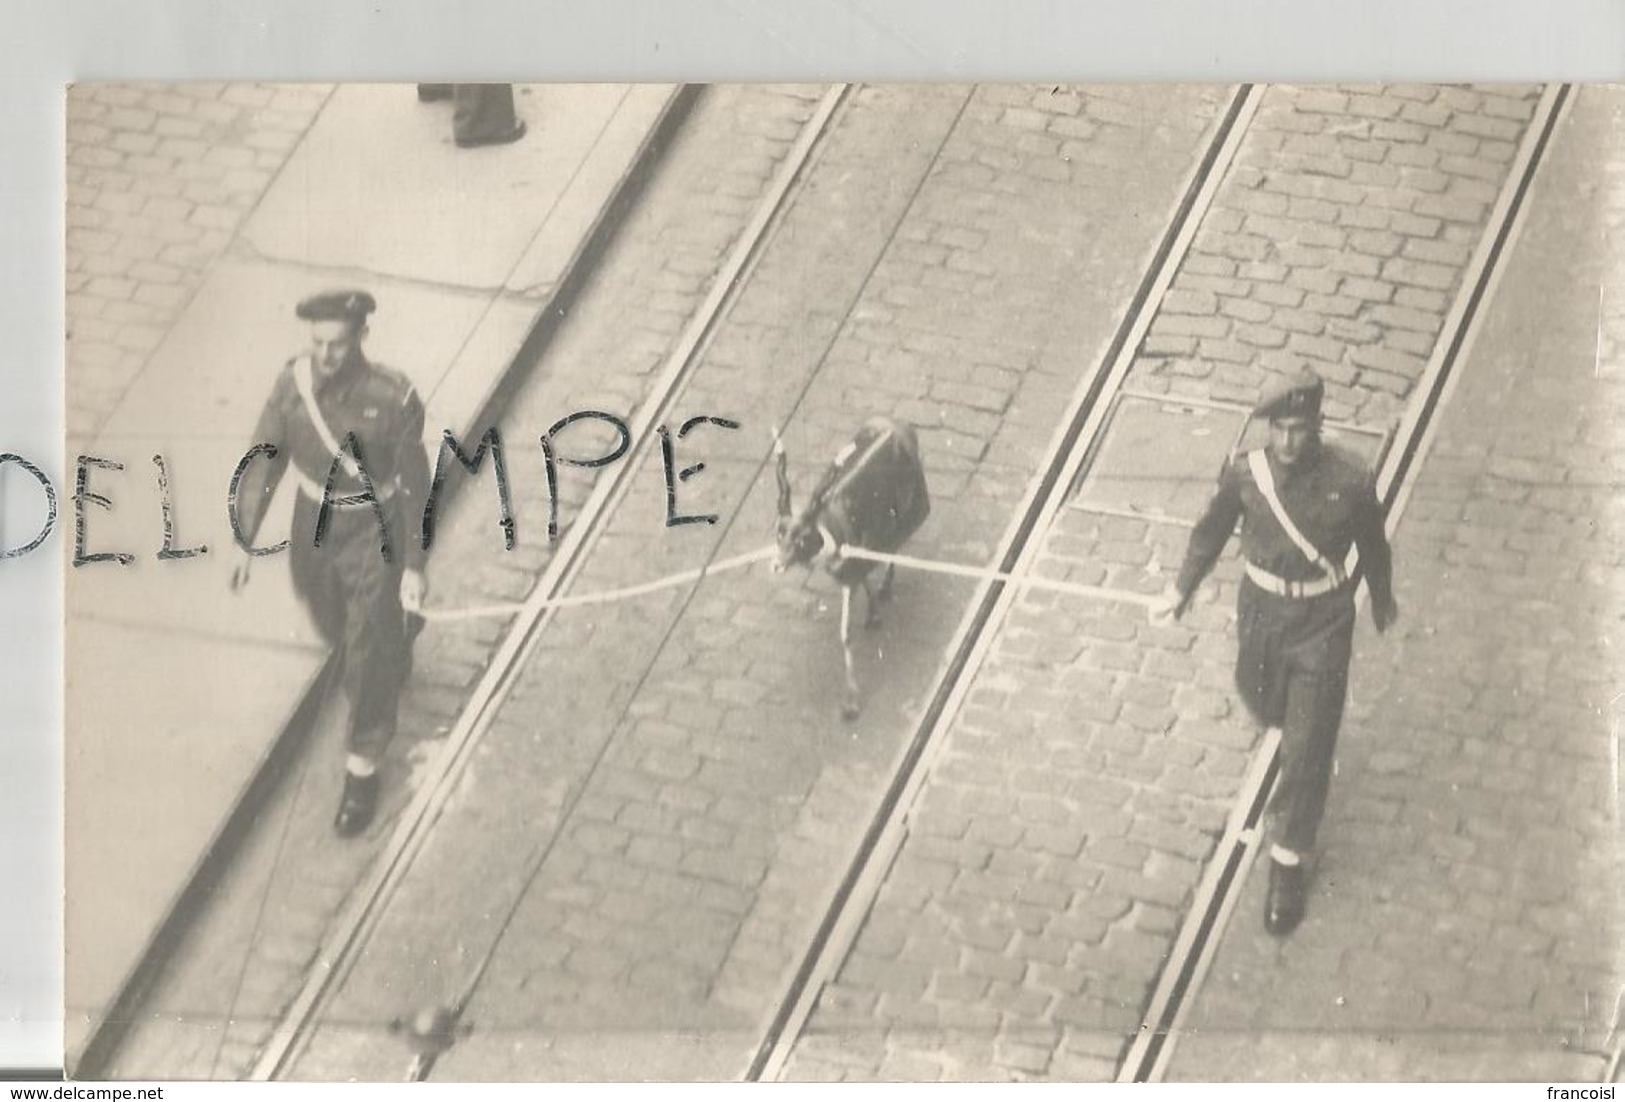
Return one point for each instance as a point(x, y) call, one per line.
point(1288, 898)
point(357, 806)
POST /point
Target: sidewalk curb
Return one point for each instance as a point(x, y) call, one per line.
point(107, 1035)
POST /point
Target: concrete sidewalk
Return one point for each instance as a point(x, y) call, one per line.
point(467, 251)
point(1466, 921)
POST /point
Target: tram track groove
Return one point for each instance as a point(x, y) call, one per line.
point(1115, 342)
point(817, 128)
point(1072, 444)
point(360, 918)
point(1225, 877)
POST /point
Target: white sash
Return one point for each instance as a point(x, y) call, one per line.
point(307, 394)
point(1259, 464)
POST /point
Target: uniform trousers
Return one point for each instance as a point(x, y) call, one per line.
point(354, 596)
point(1292, 664)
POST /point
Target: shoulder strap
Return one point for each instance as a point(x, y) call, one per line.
point(1258, 463)
point(307, 394)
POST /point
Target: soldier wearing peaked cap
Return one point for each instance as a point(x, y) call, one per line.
point(355, 565)
point(1302, 504)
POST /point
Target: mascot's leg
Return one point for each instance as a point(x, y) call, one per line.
point(877, 598)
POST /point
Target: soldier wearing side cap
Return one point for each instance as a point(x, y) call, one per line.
point(1302, 504)
point(364, 583)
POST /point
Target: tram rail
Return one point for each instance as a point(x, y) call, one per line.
point(1148, 1052)
point(1072, 448)
point(356, 923)
point(1216, 897)
point(1068, 452)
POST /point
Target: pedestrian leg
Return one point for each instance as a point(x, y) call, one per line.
point(484, 115)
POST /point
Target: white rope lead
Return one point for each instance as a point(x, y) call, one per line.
point(1075, 588)
point(670, 581)
point(602, 596)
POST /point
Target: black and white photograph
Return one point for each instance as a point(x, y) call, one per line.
point(862, 582)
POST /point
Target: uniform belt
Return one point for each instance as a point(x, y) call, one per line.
point(314, 490)
point(1279, 586)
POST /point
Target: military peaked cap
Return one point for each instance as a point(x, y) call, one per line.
point(1296, 395)
point(345, 305)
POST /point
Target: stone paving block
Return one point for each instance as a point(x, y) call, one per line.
point(144, 136)
point(629, 893)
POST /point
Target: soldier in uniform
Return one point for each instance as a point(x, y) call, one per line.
point(358, 568)
point(1302, 503)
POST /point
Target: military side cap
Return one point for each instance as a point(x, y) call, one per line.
point(346, 305)
point(1296, 395)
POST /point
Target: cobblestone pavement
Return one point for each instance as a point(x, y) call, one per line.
point(958, 257)
point(1466, 922)
point(159, 178)
point(1056, 844)
point(293, 879)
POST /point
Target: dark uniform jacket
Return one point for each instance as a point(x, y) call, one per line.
point(1330, 496)
point(379, 405)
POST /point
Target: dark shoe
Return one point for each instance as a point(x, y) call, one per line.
point(1288, 898)
point(433, 93)
point(512, 134)
point(359, 803)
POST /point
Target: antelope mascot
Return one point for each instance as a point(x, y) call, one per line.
point(872, 497)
